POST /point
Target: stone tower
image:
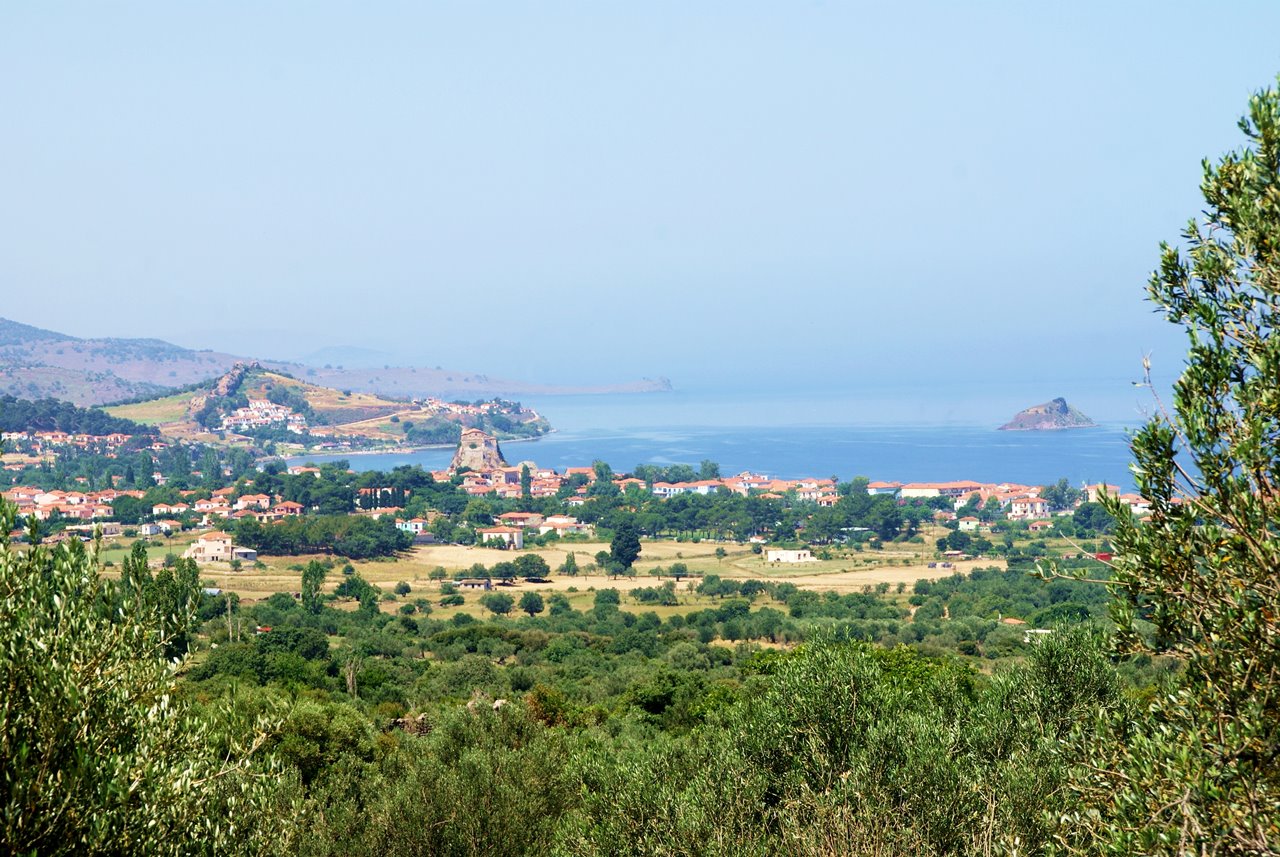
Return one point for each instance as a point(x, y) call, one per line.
point(478, 451)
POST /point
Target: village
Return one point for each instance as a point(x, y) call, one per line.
point(478, 470)
point(261, 413)
point(38, 443)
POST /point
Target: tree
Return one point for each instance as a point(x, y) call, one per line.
point(531, 603)
point(991, 510)
point(1199, 770)
point(526, 483)
point(210, 468)
point(355, 586)
point(1092, 517)
point(478, 512)
point(497, 603)
point(530, 565)
point(570, 565)
point(99, 753)
point(624, 549)
point(955, 541)
point(1060, 495)
point(129, 510)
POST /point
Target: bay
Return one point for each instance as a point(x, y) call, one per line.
point(793, 435)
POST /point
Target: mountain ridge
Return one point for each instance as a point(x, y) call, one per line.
point(39, 363)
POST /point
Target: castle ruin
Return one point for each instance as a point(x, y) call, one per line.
point(477, 451)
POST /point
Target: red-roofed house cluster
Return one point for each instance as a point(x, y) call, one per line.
point(43, 443)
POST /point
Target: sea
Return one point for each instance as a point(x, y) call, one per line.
point(792, 434)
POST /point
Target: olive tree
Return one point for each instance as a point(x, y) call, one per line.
point(497, 603)
point(98, 753)
point(1198, 771)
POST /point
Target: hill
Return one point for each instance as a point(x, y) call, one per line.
point(1052, 415)
point(254, 402)
point(36, 363)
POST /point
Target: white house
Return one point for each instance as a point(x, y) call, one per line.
point(789, 556)
point(217, 547)
point(512, 536)
point(417, 526)
point(671, 489)
point(563, 526)
point(1028, 507)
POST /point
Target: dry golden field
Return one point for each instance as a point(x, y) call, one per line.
point(852, 571)
point(170, 409)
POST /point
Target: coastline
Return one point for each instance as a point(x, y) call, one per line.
point(900, 453)
point(398, 450)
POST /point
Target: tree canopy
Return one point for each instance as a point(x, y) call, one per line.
point(97, 754)
point(624, 549)
point(1199, 770)
point(53, 415)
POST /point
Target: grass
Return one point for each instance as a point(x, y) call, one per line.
point(848, 573)
point(169, 409)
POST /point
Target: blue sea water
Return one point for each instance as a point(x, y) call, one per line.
point(794, 435)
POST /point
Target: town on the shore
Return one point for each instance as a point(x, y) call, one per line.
point(478, 470)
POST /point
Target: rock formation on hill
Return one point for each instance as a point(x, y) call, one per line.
point(1056, 414)
point(478, 451)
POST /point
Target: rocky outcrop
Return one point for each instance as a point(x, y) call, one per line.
point(1050, 416)
point(477, 451)
point(229, 383)
point(225, 386)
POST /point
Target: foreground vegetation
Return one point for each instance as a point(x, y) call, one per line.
point(567, 731)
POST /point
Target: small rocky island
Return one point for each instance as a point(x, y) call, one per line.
point(1050, 416)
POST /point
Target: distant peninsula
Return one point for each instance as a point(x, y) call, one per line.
point(37, 363)
point(1050, 416)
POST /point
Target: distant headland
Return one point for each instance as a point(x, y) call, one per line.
point(1050, 416)
point(37, 363)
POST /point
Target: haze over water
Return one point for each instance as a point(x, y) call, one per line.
point(792, 434)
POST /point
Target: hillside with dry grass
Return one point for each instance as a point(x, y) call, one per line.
point(209, 412)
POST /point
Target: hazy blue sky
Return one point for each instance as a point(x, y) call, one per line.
point(717, 192)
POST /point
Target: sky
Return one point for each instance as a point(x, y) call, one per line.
point(726, 194)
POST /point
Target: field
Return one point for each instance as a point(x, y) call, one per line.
point(380, 427)
point(331, 402)
point(851, 571)
point(169, 409)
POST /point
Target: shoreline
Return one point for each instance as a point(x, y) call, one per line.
point(911, 453)
point(399, 450)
